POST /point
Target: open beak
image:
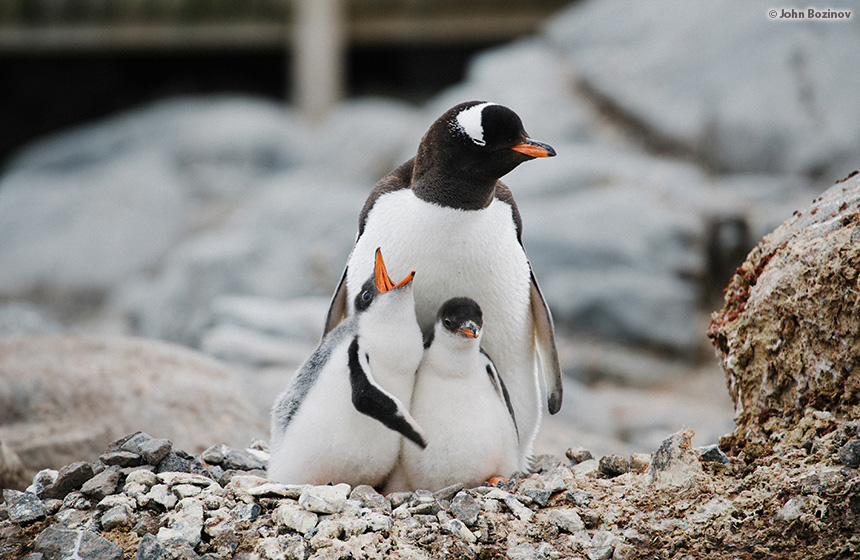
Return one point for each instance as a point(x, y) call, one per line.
point(381, 278)
point(534, 148)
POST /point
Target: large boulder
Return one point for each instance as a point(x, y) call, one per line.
point(789, 332)
point(64, 398)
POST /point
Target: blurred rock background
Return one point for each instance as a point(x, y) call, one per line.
point(220, 220)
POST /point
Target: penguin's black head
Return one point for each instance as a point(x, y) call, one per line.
point(379, 283)
point(469, 148)
point(461, 316)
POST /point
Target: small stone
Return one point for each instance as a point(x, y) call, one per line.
point(141, 476)
point(295, 517)
point(121, 459)
point(176, 462)
point(57, 542)
point(150, 549)
point(554, 479)
point(232, 459)
point(370, 498)
point(247, 512)
point(186, 491)
point(540, 496)
point(518, 509)
point(378, 522)
point(401, 512)
point(578, 455)
point(458, 529)
point(134, 442)
point(614, 465)
point(177, 478)
point(187, 520)
point(69, 478)
point(849, 454)
point(426, 507)
point(52, 505)
point(154, 450)
point(160, 497)
point(274, 490)
point(76, 500)
point(639, 461)
point(43, 479)
point(523, 551)
point(116, 500)
point(713, 454)
point(117, 516)
point(396, 499)
point(599, 552)
point(23, 507)
point(792, 509)
point(103, 484)
point(465, 508)
point(675, 464)
point(247, 481)
point(215, 454)
point(448, 492)
point(589, 468)
point(578, 497)
point(324, 499)
point(566, 520)
point(624, 551)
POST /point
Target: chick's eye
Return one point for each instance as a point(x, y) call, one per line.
point(448, 324)
point(366, 296)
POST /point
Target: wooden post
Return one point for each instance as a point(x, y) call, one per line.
point(318, 56)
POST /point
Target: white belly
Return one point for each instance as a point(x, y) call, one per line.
point(461, 253)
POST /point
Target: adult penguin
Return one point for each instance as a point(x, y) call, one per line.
point(445, 214)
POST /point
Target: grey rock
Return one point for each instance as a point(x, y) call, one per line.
point(849, 454)
point(397, 499)
point(578, 497)
point(523, 551)
point(713, 454)
point(121, 459)
point(155, 450)
point(370, 498)
point(540, 496)
point(150, 549)
point(160, 497)
point(448, 492)
point(566, 520)
point(187, 520)
point(56, 543)
point(614, 465)
point(458, 529)
point(117, 516)
point(70, 477)
point(239, 459)
point(176, 462)
point(76, 500)
point(675, 464)
point(600, 552)
point(247, 512)
point(578, 455)
point(324, 499)
point(23, 507)
point(295, 517)
point(102, 484)
point(42, 479)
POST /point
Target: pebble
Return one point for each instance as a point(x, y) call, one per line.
point(588, 468)
point(614, 465)
point(121, 459)
point(465, 508)
point(579, 498)
point(518, 509)
point(160, 497)
point(117, 516)
point(566, 520)
point(69, 478)
point(103, 484)
point(540, 496)
point(58, 542)
point(324, 499)
point(23, 507)
point(42, 479)
point(187, 520)
point(291, 515)
point(849, 454)
point(459, 529)
point(578, 455)
point(713, 454)
point(370, 498)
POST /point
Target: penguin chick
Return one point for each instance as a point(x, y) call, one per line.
point(342, 416)
point(446, 214)
point(463, 405)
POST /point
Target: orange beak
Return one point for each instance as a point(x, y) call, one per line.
point(534, 148)
point(381, 278)
point(468, 332)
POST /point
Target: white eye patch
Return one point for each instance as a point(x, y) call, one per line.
point(469, 121)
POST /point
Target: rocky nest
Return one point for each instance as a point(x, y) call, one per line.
point(143, 499)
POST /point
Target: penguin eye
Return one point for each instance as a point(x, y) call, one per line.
point(366, 295)
point(448, 324)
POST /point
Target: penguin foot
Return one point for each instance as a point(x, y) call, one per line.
point(496, 480)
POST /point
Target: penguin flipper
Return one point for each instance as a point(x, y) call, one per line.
point(501, 389)
point(371, 399)
point(545, 337)
point(337, 307)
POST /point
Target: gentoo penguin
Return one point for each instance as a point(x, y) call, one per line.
point(342, 416)
point(463, 405)
point(446, 214)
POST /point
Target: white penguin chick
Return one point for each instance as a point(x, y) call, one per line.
point(460, 400)
point(342, 416)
